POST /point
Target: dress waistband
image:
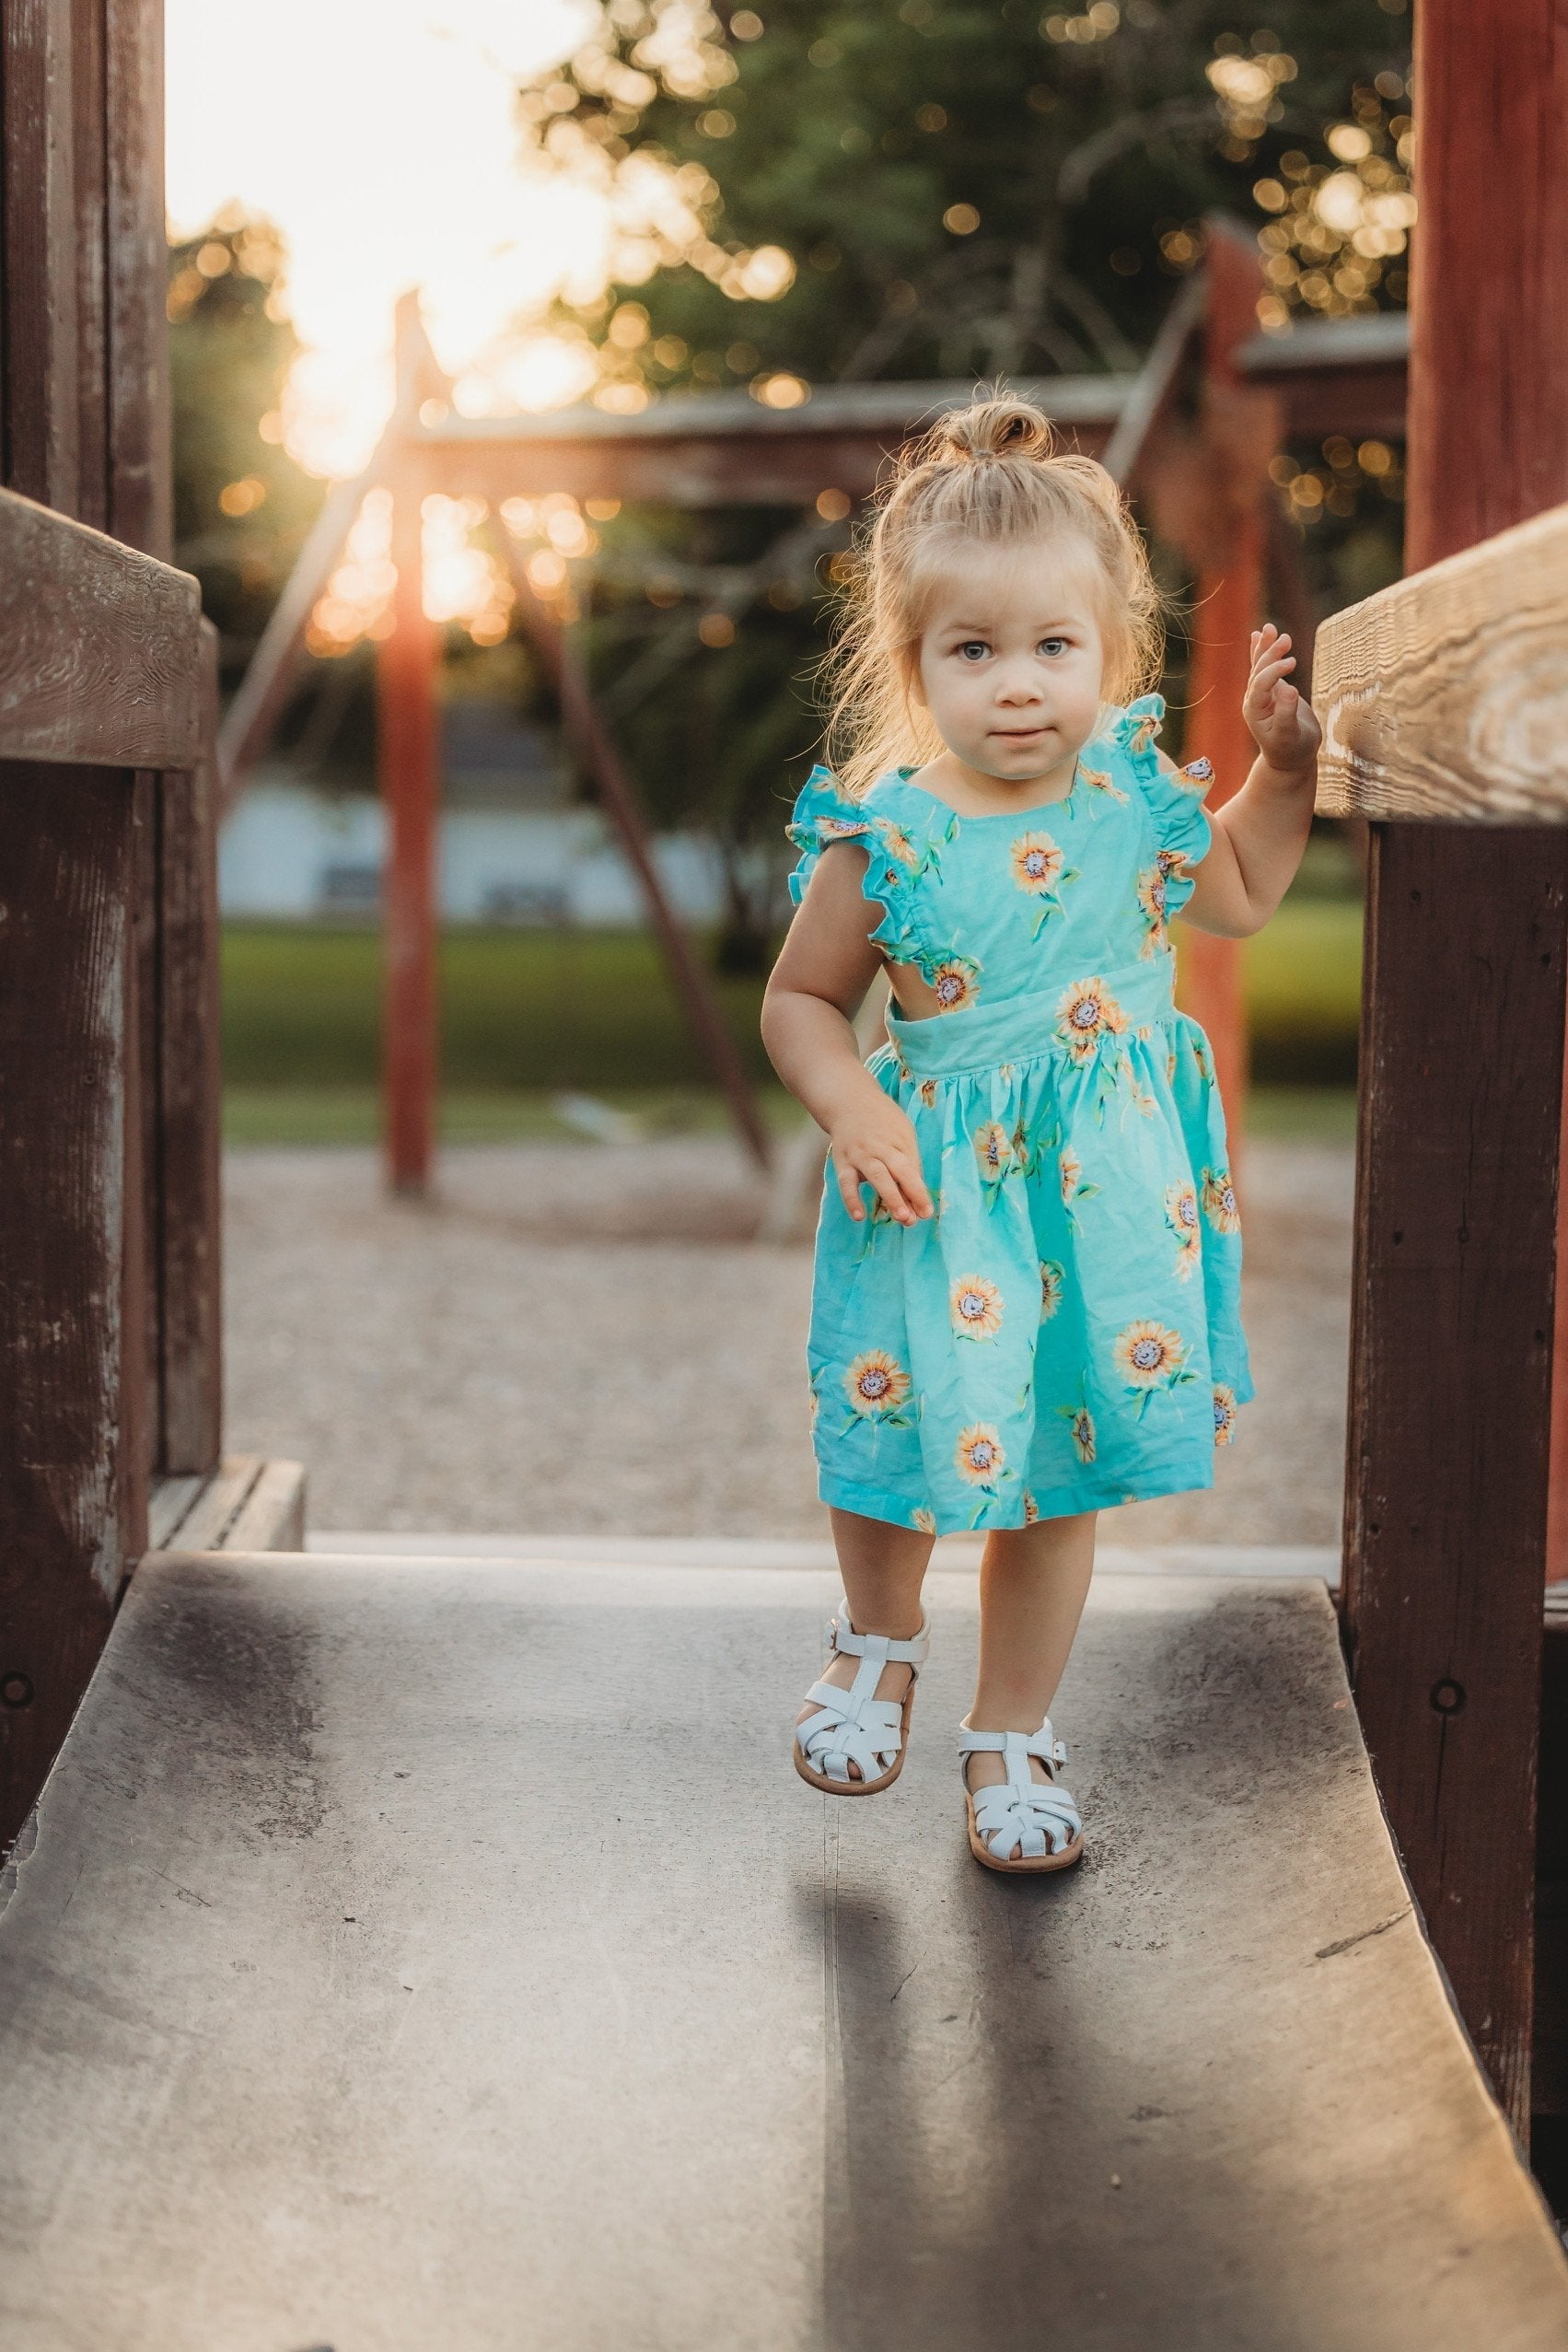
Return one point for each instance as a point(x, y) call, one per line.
point(1073, 1019)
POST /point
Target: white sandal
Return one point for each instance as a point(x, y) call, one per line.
point(854, 1726)
point(1037, 1817)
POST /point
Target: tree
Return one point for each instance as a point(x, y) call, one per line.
point(241, 505)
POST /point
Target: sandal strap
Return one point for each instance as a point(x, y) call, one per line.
point(1018, 1747)
point(841, 1636)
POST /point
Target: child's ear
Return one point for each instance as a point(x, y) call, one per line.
point(914, 690)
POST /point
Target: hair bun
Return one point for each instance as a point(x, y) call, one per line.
point(993, 428)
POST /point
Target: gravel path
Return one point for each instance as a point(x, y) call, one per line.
point(581, 1340)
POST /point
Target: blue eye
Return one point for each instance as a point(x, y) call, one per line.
point(1052, 645)
point(975, 649)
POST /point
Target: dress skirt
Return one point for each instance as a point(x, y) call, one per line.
point(1066, 1332)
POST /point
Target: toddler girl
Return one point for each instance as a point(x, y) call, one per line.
point(1028, 1257)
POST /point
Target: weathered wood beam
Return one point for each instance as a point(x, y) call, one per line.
point(138, 458)
point(40, 423)
point(98, 654)
point(69, 1446)
point(1447, 695)
point(185, 1242)
point(1462, 1021)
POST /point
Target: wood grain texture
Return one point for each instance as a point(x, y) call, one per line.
point(190, 1211)
point(1446, 697)
point(89, 162)
point(67, 1480)
point(137, 453)
point(39, 420)
point(1449, 1388)
point(1462, 1067)
point(99, 657)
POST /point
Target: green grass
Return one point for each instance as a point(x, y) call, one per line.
point(526, 1015)
point(1304, 993)
point(518, 1009)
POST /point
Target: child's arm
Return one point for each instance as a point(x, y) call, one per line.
point(1259, 835)
point(824, 970)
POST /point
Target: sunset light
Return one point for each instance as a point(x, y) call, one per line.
point(386, 142)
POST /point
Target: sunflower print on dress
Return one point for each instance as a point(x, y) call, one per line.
point(1150, 1357)
point(1182, 1216)
point(1219, 1201)
point(977, 1307)
point(1040, 868)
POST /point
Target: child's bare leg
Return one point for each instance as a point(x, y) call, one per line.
point(1033, 1583)
point(884, 1567)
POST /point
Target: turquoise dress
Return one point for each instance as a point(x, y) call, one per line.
point(1066, 1332)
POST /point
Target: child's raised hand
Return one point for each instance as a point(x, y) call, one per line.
point(876, 1145)
point(1282, 722)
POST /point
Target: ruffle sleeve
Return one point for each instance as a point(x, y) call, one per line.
point(1173, 796)
point(824, 815)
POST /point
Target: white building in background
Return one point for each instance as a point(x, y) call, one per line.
point(509, 850)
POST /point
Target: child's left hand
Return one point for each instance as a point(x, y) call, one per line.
point(1282, 722)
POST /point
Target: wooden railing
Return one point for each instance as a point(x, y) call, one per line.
point(1445, 704)
point(109, 1340)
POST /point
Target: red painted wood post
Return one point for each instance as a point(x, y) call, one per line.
point(1445, 1503)
point(406, 750)
point(1227, 605)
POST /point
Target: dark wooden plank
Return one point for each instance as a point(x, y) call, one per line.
point(144, 1168)
point(89, 181)
point(1549, 2072)
point(188, 1244)
point(137, 448)
point(99, 658)
point(69, 1475)
point(1446, 696)
point(39, 420)
point(1462, 1056)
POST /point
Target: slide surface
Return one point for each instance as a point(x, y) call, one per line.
point(424, 1956)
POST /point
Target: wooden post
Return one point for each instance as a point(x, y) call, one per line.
point(1462, 1069)
point(187, 1237)
point(407, 753)
point(1239, 432)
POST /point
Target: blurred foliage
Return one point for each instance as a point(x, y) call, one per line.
point(958, 190)
point(241, 505)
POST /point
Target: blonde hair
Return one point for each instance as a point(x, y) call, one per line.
point(988, 474)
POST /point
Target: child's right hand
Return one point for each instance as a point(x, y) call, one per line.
point(876, 1145)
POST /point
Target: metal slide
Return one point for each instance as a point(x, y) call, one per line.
point(436, 1956)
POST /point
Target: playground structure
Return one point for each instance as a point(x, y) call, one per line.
point(379, 1962)
point(1196, 427)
